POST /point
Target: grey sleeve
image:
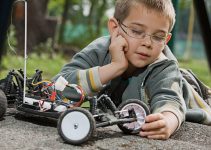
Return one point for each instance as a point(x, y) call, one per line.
point(83, 68)
point(164, 89)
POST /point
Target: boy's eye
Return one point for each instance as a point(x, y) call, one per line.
point(158, 38)
point(137, 32)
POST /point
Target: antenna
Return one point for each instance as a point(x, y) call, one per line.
point(25, 50)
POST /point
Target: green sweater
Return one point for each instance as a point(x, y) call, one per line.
point(160, 85)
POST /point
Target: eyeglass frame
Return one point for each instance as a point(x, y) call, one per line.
point(144, 34)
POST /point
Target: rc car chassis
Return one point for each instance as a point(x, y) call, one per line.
point(75, 124)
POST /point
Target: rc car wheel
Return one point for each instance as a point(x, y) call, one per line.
point(76, 125)
point(3, 103)
point(141, 111)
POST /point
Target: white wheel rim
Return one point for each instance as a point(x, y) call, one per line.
point(140, 114)
point(75, 125)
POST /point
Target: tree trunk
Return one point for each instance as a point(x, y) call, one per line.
point(40, 27)
point(5, 10)
point(187, 54)
point(64, 19)
point(101, 11)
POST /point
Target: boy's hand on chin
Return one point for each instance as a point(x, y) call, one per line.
point(117, 49)
point(159, 126)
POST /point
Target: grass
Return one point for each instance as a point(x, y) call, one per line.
point(51, 66)
point(200, 69)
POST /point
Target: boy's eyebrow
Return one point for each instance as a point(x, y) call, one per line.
point(138, 24)
point(141, 25)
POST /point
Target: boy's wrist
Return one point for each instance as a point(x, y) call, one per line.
point(119, 68)
point(172, 121)
point(110, 71)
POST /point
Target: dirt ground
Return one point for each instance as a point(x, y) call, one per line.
point(18, 131)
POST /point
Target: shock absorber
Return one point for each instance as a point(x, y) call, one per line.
point(110, 103)
point(93, 105)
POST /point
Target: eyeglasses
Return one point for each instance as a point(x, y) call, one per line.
point(140, 34)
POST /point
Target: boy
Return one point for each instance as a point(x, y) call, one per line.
point(135, 61)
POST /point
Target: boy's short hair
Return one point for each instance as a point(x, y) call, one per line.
point(164, 7)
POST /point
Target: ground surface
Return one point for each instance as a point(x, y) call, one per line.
point(34, 133)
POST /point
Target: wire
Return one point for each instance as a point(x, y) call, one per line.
point(44, 81)
point(80, 91)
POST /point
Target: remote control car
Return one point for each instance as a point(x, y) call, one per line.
point(76, 125)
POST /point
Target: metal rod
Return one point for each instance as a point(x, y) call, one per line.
point(118, 121)
point(25, 51)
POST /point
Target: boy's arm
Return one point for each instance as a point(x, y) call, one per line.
point(84, 66)
point(164, 89)
point(81, 72)
point(89, 71)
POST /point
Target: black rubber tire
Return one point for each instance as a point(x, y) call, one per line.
point(124, 103)
point(84, 139)
point(3, 104)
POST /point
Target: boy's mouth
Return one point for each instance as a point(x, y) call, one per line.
point(143, 55)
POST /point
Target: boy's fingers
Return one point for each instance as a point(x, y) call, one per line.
point(153, 117)
point(125, 47)
point(153, 132)
point(121, 40)
point(115, 33)
point(153, 125)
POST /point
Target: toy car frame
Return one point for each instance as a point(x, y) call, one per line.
point(76, 125)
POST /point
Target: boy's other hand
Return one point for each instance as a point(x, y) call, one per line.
point(159, 126)
point(118, 48)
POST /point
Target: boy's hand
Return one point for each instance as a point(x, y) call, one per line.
point(118, 48)
point(159, 125)
point(119, 62)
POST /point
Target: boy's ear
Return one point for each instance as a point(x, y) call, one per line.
point(112, 25)
point(168, 37)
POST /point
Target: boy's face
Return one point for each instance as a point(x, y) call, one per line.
point(146, 32)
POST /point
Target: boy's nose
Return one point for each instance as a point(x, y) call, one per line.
point(147, 40)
